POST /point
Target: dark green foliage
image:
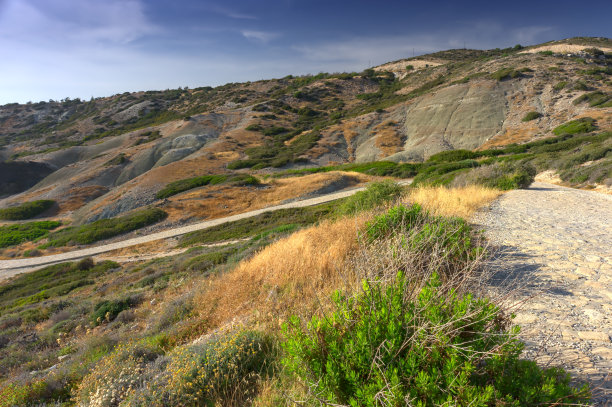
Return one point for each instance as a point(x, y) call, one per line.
point(376, 194)
point(49, 282)
point(105, 228)
point(505, 73)
point(531, 116)
point(149, 136)
point(207, 261)
point(108, 310)
point(117, 160)
point(437, 347)
point(560, 85)
point(182, 185)
point(378, 168)
point(443, 173)
point(582, 125)
point(453, 155)
point(594, 99)
point(26, 210)
point(11, 235)
point(257, 225)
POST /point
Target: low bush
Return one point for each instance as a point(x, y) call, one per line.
point(505, 73)
point(582, 125)
point(500, 175)
point(11, 235)
point(594, 99)
point(393, 344)
point(107, 310)
point(224, 370)
point(531, 116)
point(560, 85)
point(376, 194)
point(26, 210)
point(183, 185)
point(105, 228)
point(442, 173)
point(453, 155)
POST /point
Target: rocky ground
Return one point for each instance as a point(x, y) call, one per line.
point(555, 255)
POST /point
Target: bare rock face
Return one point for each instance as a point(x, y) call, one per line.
point(460, 116)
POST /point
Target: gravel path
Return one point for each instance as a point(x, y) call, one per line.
point(556, 252)
point(10, 268)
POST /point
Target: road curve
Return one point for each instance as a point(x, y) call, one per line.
point(9, 268)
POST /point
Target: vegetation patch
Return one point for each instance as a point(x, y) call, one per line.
point(595, 99)
point(26, 210)
point(183, 185)
point(583, 125)
point(505, 73)
point(375, 195)
point(104, 228)
point(11, 235)
point(50, 282)
point(531, 116)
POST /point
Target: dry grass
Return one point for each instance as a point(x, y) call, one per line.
point(462, 202)
point(289, 276)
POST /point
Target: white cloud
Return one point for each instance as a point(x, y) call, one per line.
point(74, 21)
point(259, 36)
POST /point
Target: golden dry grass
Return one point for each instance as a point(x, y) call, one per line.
point(462, 202)
point(290, 276)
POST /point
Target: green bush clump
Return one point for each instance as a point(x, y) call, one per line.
point(11, 235)
point(531, 116)
point(108, 310)
point(443, 173)
point(224, 370)
point(560, 85)
point(594, 99)
point(582, 125)
point(376, 194)
point(105, 228)
point(26, 210)
point(432, 346)
point(183, 185)
point(50, 282)
point(453, 155)
point(500, 175)
point(505, 73)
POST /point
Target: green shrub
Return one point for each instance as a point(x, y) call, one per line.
point(11, 235)
point(224, 370)
point(505, 73)
point(594, 99)
point(453, 155)
point(26, 210)
point(433, 348)
point(105, 228)
point(582, 125)
point(442, 173)
point(108, 310)
point(376, 194)
point(183, 185)
point(500, 175)
point(531, 116)
point(560, 85)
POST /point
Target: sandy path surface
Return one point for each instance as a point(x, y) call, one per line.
point(10, 268)
point(556, 247)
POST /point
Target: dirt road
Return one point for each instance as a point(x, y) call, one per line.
point(9, 268)
point(556, 251)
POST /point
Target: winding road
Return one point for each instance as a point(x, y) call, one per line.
point(10, 268)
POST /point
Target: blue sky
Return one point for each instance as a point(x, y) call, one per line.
point(81, 48)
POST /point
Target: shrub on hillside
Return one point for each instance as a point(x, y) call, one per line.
point(505, 73)
point(453, 155)
point(393, 344)
point(11, 235)
point(499, 175)
point(224, 370)
point(531, 116)
point(105, 228)
point(582, 125)
point(376, 194)
point(26, 210)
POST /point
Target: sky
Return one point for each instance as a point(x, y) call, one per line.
point(53, 49)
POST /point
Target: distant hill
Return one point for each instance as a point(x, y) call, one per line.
point(110, 155)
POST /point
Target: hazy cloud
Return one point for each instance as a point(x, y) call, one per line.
point(259, 36)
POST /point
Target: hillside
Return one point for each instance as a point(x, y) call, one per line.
point(387, 296)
